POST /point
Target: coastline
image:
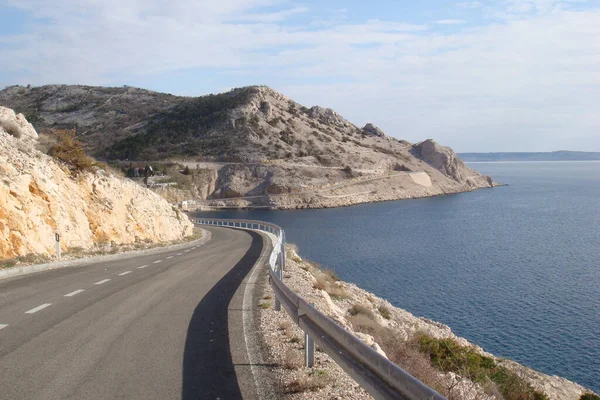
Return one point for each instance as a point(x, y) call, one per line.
point(368, 316)
point(337, 199)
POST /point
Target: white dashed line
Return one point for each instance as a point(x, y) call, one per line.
point(142, 267)
point(187, 251)
point(168, 258)
point(74, 293)
point(34, 310)
point(124, 273)
point(179, 254)
point(2, 326)
point(101, 282)
point(157, 261)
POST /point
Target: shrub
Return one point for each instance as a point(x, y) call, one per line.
point(385, 312)
point(11, 128)
point(8, 263)
point(338, 292)
point(70, 151)
point(448, 356)
point(589, 396)
point(307, 384)
point(292, 360)
point(357, 309)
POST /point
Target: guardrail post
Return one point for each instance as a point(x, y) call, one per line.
point(280, 277)
point(309, 351)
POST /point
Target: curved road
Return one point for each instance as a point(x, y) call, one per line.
point(150, 327)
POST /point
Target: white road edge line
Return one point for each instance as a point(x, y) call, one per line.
point(34, 310)
point(142, 267)
point(124, 273)
point(2, 326)
point(74, 293)
point(101, 282)
point(157, 261)
point(252, 349)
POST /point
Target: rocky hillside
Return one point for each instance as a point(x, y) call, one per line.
point(267, 150)
point(39, 195)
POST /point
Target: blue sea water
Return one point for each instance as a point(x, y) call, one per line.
point(514, 269)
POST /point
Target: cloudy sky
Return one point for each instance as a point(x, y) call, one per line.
point(506, 75)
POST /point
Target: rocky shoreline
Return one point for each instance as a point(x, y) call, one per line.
point(392, 187)
point(389, 330)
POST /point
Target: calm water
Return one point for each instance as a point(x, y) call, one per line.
point(514, 269)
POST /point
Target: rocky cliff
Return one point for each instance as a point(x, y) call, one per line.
point(267, 150)
point(39, 195)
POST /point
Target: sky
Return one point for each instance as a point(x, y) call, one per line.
point(479, 76)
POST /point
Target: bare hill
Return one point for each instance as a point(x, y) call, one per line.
point(265, 149)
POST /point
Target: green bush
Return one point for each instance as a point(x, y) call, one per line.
point(448, 356)
point(589, 396)
point(71, 151)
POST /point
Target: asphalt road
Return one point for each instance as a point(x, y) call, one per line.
point(153, 327)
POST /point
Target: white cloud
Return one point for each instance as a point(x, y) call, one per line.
point(517, 80)
point(450, 22)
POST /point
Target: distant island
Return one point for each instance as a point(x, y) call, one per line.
point(562, 155)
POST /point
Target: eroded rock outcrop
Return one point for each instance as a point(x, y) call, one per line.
point(372, 130)
point(39, 196)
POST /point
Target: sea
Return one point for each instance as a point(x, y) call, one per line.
point(514, 269)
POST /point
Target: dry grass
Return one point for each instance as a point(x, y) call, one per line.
point(310, 383)
point(292, 360)
point(321, 282)
point(27, 259)
point(359, 309)
point(338, 292)
point(11, 128)
point(264, 304)
point(286, 327)
point(385, 312)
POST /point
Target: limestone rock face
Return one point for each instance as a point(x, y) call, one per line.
point(444, 159)
point(372, 130)
point(16, 125)
point(39, 196)
point(328, 116)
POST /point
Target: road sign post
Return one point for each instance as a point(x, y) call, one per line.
point(57, 240)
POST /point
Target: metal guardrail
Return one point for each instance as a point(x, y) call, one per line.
point(375, 373)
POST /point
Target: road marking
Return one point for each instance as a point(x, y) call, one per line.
point(34, 310)
point(157, 261)
point(142, 267)
point(74, 293)
point(101, 282)
point(179, 254)
point(187, 251)
point(168, 258)
point(2, 326)
point(124, 273)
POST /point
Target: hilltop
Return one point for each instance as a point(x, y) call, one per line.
point(249, 147)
